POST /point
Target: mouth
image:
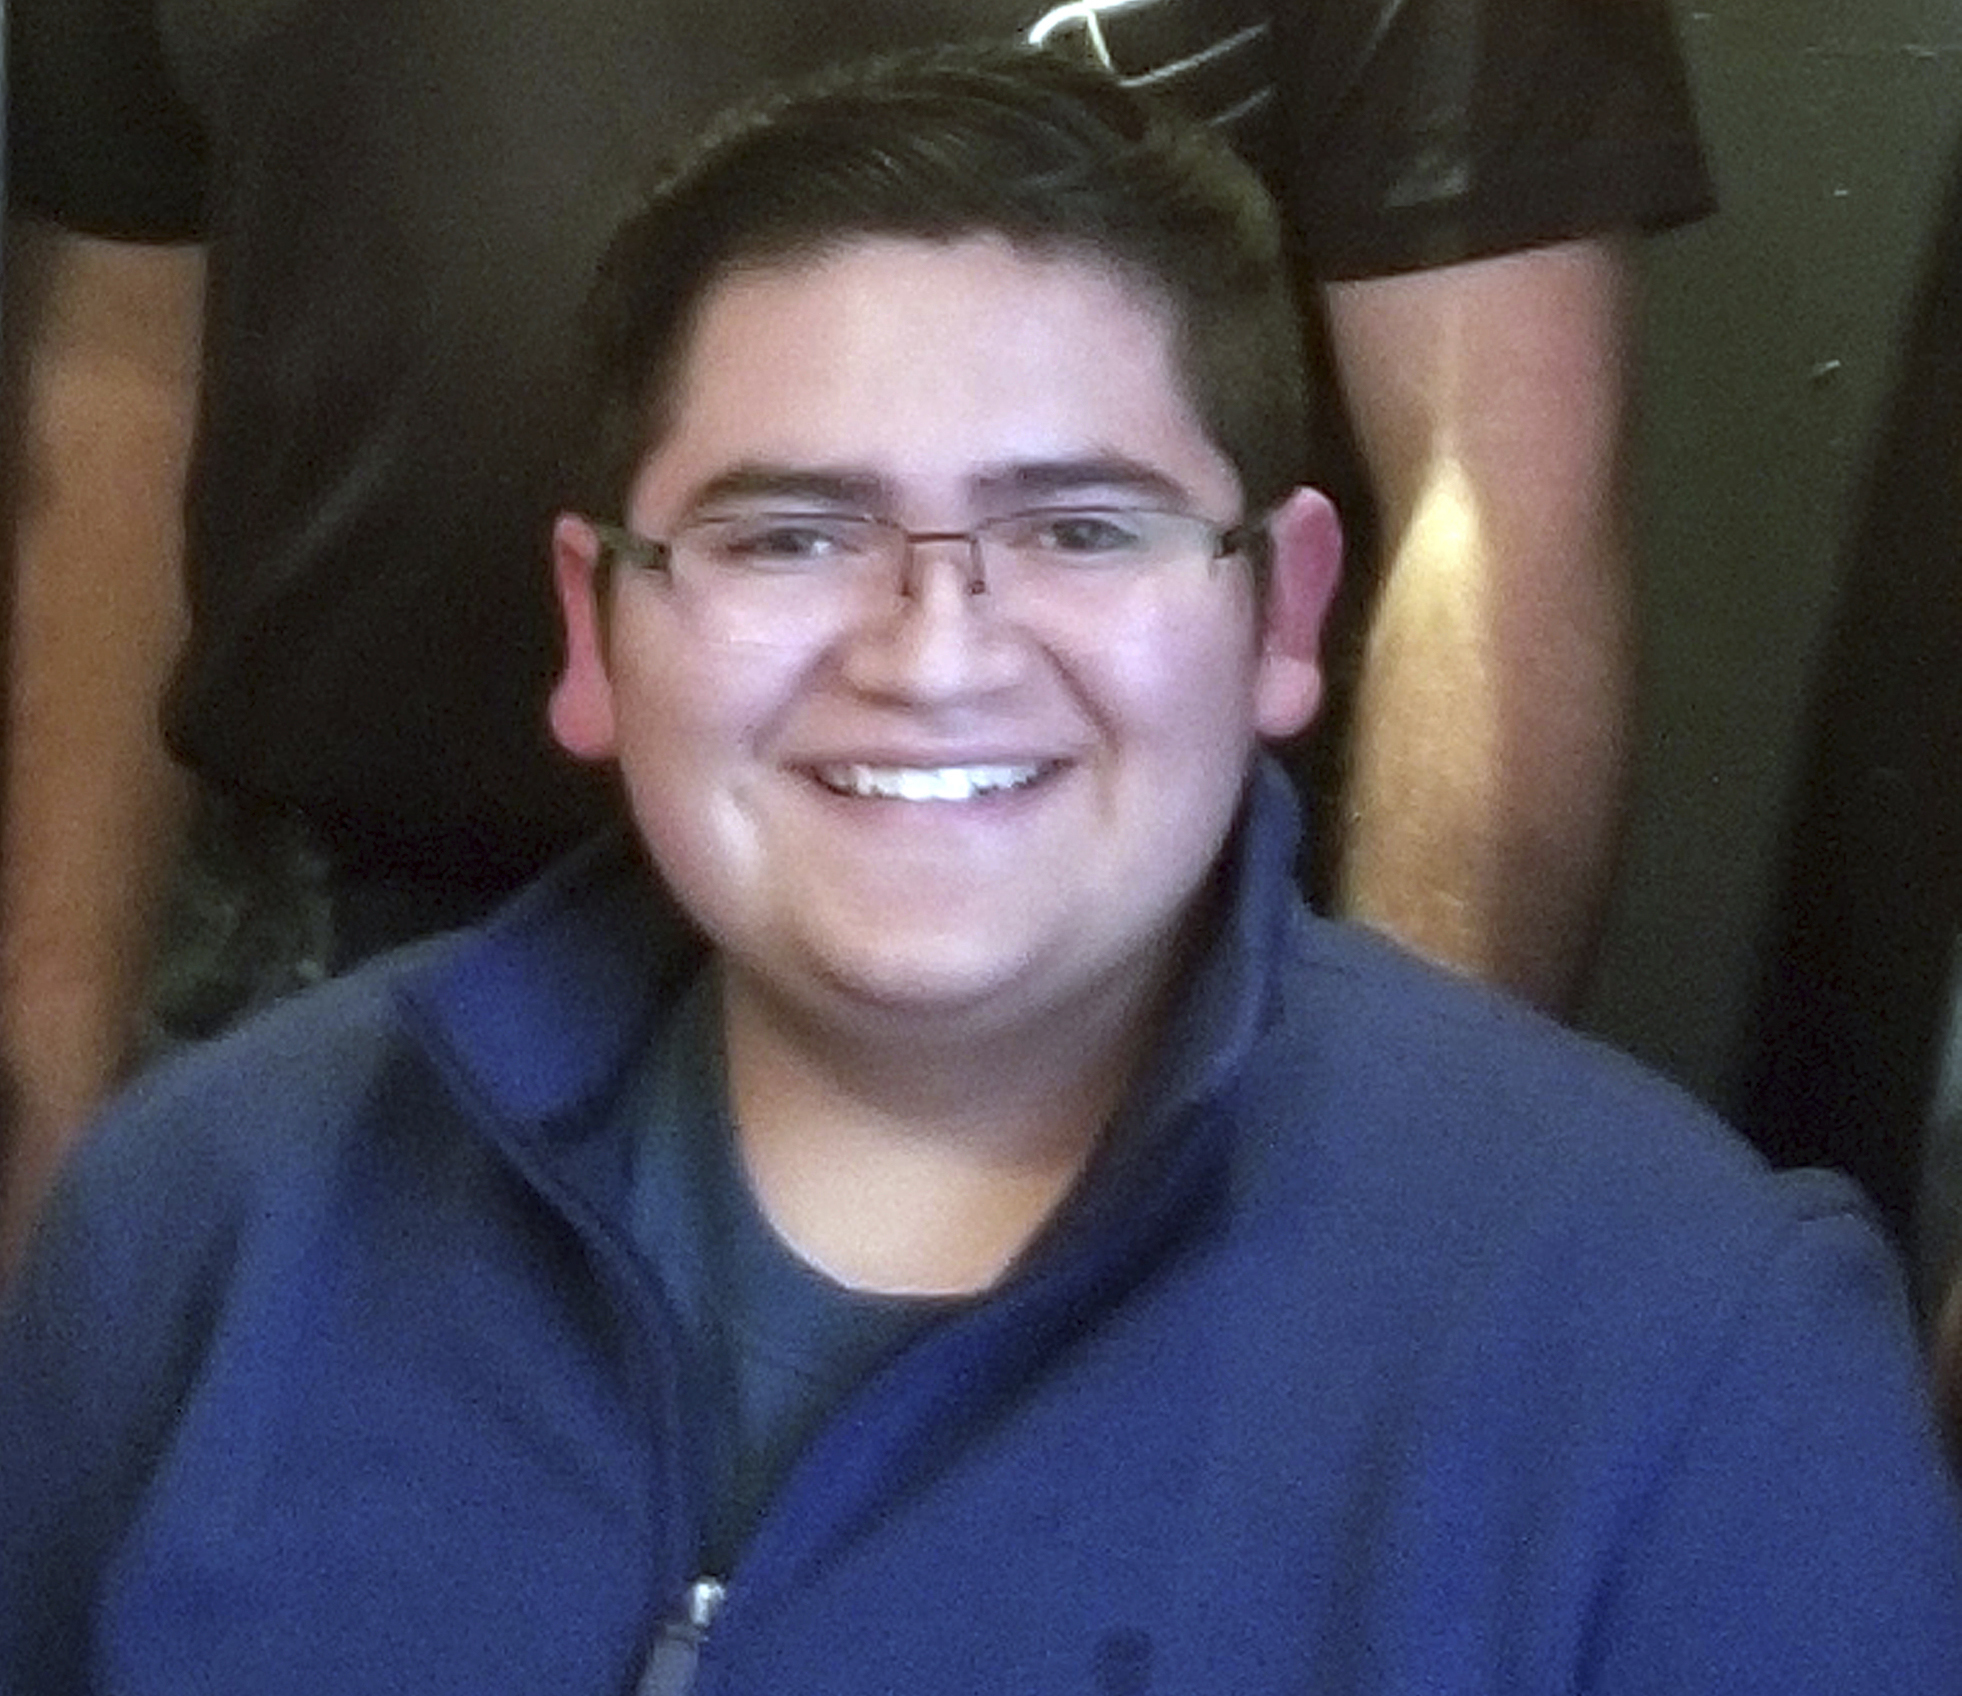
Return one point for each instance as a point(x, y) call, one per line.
point(930, 783)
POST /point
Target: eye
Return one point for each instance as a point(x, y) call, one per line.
point(777, 541)
point(1085, 534)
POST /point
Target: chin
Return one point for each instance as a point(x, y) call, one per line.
point(930, 984)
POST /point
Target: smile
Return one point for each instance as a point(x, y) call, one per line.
point(926, 783)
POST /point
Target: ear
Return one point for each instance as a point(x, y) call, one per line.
point(581, 709)
point(1304, 566)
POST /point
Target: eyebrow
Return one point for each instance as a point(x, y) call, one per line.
point(1001, 486)
point(858, 490)
point(1046, 478)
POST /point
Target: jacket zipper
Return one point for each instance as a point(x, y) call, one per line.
point(671, 1664)
point(669, 1669)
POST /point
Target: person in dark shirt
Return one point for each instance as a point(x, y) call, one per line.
point(349, 246)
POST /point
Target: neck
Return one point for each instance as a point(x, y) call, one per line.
point(920, 1161)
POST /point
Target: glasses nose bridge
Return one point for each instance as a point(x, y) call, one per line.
point(908, 543)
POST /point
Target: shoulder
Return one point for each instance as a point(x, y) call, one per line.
point(211, 1179)
point(410, 1075)
point(204, 1140)
point(236, 1153)
point(1477, 1129)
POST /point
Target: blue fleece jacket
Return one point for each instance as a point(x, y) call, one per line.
point(1407, 1345)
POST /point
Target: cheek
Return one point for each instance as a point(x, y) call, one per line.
point(1182, 685)
point(1190, 731)
point(693, 734)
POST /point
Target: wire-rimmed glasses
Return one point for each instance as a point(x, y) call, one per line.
point(779, 575)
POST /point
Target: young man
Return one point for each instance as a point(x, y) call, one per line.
point(952, 1221)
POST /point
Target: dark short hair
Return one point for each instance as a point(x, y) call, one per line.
point(1055, 155)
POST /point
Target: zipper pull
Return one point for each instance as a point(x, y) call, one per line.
point(670, 1669)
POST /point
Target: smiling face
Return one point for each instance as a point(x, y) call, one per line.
point(939, 812)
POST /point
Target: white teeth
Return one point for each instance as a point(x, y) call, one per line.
point(925, 783)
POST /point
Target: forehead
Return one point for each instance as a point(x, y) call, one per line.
point(927, 365)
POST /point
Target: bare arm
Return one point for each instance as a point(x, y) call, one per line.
point(1487, 771)
point(104, 373)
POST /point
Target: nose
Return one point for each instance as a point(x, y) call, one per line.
point(942, 638)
